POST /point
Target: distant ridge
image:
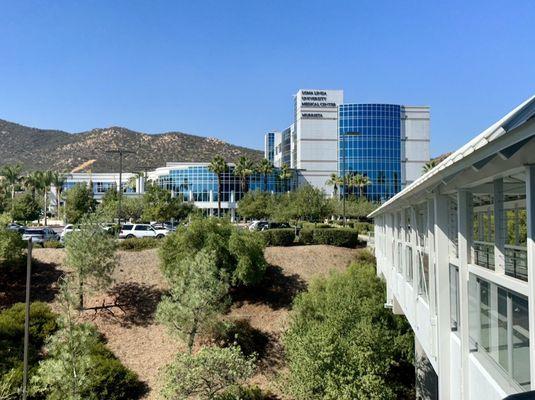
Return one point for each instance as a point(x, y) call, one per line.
point(42, 149)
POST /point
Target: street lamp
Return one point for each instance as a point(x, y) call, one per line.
point(344, 172)
point(121, 152)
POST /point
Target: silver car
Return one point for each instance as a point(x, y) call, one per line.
point(40, 235)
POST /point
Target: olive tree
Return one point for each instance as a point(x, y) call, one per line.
point(197, 294)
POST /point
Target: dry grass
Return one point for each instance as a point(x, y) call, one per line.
point(145, 346)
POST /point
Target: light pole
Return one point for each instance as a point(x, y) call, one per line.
point(344, 172)
point(121, 152)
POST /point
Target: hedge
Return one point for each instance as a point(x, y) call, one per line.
point(53, 244)
point(279, 237)
point(306, 236)
point(343, 237)
point(138, 244)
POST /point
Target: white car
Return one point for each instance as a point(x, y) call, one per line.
point(129, 231)
point(40, 235)
point(66, 230)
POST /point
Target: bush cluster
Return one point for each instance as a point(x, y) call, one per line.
point(240, 333)
point(238, 253)
point(53, 244)
point(245, 393)
point(343, 344)
point(138, 244)
point(279, 237)
point(11, 248)
point(342, 237)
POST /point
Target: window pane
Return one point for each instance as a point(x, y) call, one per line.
point(520, 343)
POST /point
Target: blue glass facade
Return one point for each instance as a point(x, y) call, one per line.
point(197, 181)
point(270, 146)
point(370, 144)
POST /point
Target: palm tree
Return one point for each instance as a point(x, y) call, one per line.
point(361, 181)
point(285, 175)
point(47, 178)
point(12, 175)
point(265, 168)
point(335, 181)
point(58, 180)
point(429, 166)
point(218, 166)
point(243, 169)
point(34, 182)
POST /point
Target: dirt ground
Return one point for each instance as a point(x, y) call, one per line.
point(145, 346)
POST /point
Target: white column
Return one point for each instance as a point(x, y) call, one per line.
point(432, 273)
point(499, 228)
point(441, 220)
point(464, 215)
point(530, 208)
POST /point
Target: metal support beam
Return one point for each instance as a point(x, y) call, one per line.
point(499, 227)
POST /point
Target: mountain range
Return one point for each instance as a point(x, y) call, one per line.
point(45, 149)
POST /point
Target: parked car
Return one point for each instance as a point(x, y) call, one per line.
point(129, 231)
point(16, 227)
point(40, 235)
point(66, 230)
point(165, 226)
point(265, 225)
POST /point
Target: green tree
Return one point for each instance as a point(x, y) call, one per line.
point(248, 248)
point(309, 203)
point(243, 170)
point(12, 175)
point(159, 205)
point(356, 207)
point(91, 254)
point(335, 181)
point(265, 168)
point(343, 344)
point(255, 204)
point(78, 203)
point(218, 166)
point(207, 374)
point(58, 180)
point(212, 235)
point(285, 174)
point(25, 208)
point(196, 296)
point(33, 182)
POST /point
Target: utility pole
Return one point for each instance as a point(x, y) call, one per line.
point(27, 320)
point(121, 153)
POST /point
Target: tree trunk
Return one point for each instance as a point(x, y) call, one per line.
point(191, 336)
point(12, 201)
point(57, 202)
point(265, 182)
point(81, 295)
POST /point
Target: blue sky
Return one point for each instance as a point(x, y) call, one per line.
point(228, 69)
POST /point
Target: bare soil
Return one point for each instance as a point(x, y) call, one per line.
point(143, 345)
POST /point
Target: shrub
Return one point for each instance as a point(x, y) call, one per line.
point(207, 374)
point(11, 248)
point(365, 256)
point(279, 237)
point(138, 244)
point(238, 254)
point(363, 227)
point(248, 249)
point(240, 333)
point(343, 237)
point(343, 344)
point(42, 325)
point(53, 244)
point(111, 380)
point(306, 236)
point(245, 393)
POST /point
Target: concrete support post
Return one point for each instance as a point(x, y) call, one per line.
point(530, 210)
point(464, 216)
point(499, 228)
point(432, 273)
point(441, 221)
point(402, 239)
